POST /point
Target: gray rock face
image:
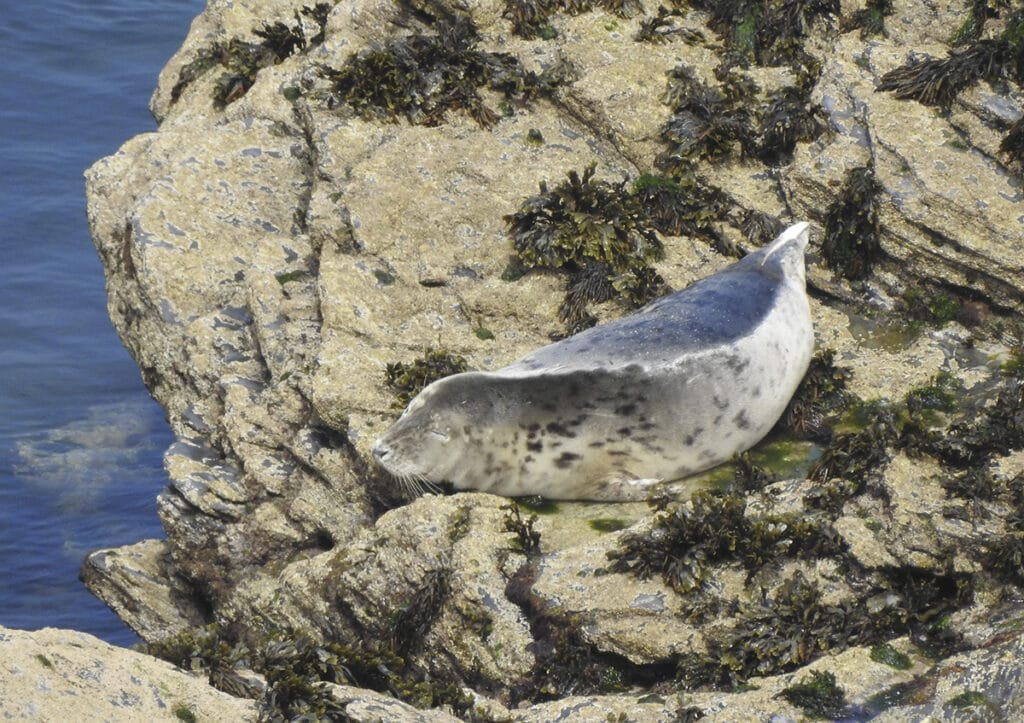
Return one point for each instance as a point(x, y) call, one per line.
point(66, 675)
point(270, 253)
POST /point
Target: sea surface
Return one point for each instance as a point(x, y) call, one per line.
point(81, 442)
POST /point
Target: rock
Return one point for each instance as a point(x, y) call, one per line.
point(55, 674)
point(273, 248)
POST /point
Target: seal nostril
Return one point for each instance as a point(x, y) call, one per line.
point(380, 453)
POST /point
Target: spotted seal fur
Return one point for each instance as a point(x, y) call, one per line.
point(680, 386)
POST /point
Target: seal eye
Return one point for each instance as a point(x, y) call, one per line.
point(441, 435)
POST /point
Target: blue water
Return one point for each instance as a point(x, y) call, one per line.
point(80, 439)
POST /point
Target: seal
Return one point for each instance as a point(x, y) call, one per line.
point(680, 386)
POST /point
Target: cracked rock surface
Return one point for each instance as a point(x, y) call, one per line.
point(268, 254)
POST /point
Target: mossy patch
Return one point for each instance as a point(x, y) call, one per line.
point(183, 713)
point(607, 524)
point(886, 654)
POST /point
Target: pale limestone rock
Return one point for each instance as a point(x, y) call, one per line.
point(266, 262)
point(55, 674)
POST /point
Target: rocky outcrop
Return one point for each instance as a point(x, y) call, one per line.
point(325, 196)
point(66, 675)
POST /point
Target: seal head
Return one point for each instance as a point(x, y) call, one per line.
point(680, 386)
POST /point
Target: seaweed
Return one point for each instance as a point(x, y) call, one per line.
point(679, 206)
point(596, 231)
point(408, 380)
point(886, 654)
point(242, 60)
point(527, 539)
point(421, 77)
point(707, 123)
point(852, 243)
point(661, 28)
point(760, 228)
point(749, 477)
point(797, 625)
point(686, 539)
point(532, 18)
point(818, 696)
point(295, 668)
point(870, 19)
point(764, 31)
point(711, 123)
point(413, 620)
point(1013, 142)
point(818, 401)
point(938, 81)
point(940, 394)
point(788, 119)
point(996, 431)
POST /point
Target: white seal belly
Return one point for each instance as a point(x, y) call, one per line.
point(676, 388)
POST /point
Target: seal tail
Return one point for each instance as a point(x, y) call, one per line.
point(795, 234)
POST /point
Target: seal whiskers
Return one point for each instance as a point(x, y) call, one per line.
point(680, 386)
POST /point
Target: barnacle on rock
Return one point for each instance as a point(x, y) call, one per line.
point(408, 380)
point(852, 244)
point(596, 231)
point(422, 77)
